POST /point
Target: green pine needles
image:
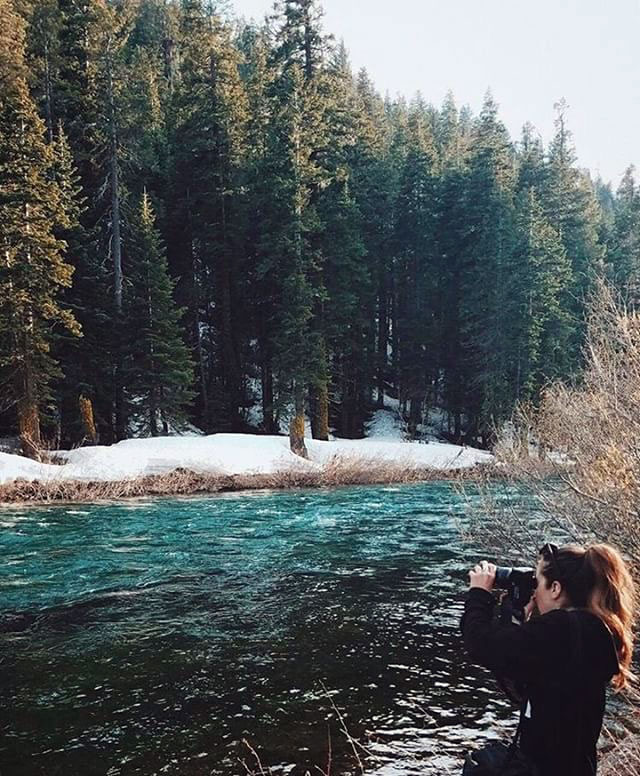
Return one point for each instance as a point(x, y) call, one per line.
point(314, 251)
point(157, 368)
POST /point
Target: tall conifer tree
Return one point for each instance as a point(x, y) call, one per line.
point(374, 192)
point(625, 241)
point(488, 249)
point(33, 269)
point(418, 327)
point(297, 135)
point(572, 209)
point(208, 210)
point(157, 366)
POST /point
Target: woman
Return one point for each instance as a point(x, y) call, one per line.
point(563, 659)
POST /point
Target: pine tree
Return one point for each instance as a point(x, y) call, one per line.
point(397, 115)
point(296, 138)
point(625, 239)
point(110, 80)
point(453, 238)
point(83, 298)
point(572, 209)
point(157, 366)
point(208, 148)
point(33, 269)
point(373, 188)
point(291, 145)
point(489, 244)
point(540, 324)
point(418, 327)
point(42, 55)
point(341, 334)
point(532, 169)
point(79, 105)
point(74, 97)
point(263, 281)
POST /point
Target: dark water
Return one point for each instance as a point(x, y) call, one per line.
point(152, 638)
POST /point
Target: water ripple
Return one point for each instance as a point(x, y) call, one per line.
point(153, 637)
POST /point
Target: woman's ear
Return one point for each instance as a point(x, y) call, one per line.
point(556, 589)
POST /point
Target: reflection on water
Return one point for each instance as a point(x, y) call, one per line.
point(152, 638)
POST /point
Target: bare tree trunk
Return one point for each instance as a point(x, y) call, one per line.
point(266, 377)
point(193, 272)
point(383, 334)
point(167, 50)
point(48, 110)
point(88, 423)
point(319, 397)
point(415, 415)
point(153, 420)
point(28, 410)
point(29, 424)
point(116, 250)
point(296, 427)
point(232, 373)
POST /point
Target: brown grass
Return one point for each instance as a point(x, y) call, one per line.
point(575, 460)
point(338, 471)
point(577, 456)
point(623, 759)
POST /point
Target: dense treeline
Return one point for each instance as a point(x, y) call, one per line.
point(207, 220)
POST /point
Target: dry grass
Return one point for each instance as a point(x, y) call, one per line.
point(588, 487)
point(623, 759)
point(575, 461)
point(338, 471)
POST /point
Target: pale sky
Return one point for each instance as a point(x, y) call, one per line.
point(529, 53)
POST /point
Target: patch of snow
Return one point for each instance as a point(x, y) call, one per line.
point(437, 455)
point(389, 401)
point(13, 467)
point(386, 424)
point(229, 454)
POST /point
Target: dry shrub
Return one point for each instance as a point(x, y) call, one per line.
point(577, 457)
point(178, 482)
point(623, 759)
point(571, 471)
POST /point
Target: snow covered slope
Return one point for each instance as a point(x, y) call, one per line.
point(229, 454)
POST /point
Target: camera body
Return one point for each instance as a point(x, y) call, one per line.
point(519, 584)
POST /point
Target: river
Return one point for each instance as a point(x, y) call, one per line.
point(154, 637)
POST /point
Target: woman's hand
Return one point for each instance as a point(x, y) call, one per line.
point(531, 609)
point(483, 575)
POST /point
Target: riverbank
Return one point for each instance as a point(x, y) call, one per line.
point(227, 462)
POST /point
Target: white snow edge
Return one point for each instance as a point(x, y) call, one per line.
point(227, 454)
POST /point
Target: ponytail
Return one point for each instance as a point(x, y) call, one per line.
point(612, 598)
point(598, 579)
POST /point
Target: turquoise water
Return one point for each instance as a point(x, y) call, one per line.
point(153, 637)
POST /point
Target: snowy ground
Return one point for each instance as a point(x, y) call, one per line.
point(234, 454)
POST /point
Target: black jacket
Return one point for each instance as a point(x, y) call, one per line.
point(563, 660)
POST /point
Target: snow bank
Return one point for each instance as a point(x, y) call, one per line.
point(228, 454)
point(437, 455)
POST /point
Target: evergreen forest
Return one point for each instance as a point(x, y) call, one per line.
point(219, 223)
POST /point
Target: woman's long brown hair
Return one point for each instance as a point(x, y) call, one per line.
point(597, 578)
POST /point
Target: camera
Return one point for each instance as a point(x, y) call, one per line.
point(519, 584)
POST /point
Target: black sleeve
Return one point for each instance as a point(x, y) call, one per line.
point(521, 652)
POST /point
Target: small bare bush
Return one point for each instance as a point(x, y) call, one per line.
point(571, 470)
point(577, 457)
point(623, 759)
